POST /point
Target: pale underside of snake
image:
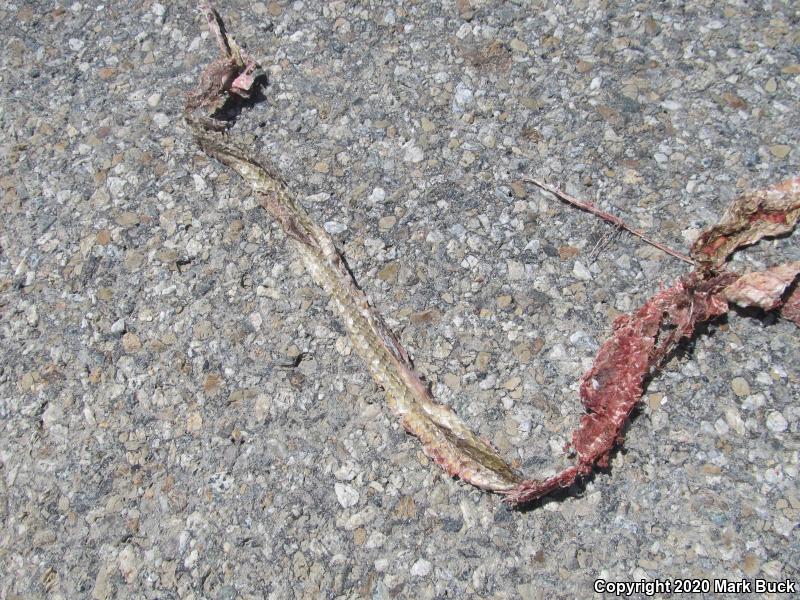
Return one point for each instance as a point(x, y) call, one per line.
point(610, 390)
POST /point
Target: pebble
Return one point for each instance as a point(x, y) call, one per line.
point(518, 45)
point(462, 98)
point(504, 301)
point(118, 326)
point(776, 422)
point(413, 154)
point(580, 271)
point(734, 420)
point(131, 342)
point(386, 223)
point(377, 196)
point(780, 150)
point(467, 159)
point(162, 120)
point(127, 219)
point(516, 270)
point(334, 227)
point(346, 495)
point(740, 387)
point(389, 272)
point(421, 568)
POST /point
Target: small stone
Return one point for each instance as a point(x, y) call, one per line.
point(322, 167)
point(482, 361)
point(32, 316)
point(346, 495)
point(128, 565)
point(161, 120)
point(127, 219)
point(52, 415)
point(465, 10)
point(421, 568)
point(387, 222)
point(430, 315)
point(118, 326)
point(660, 157)
point(467, 159)
point(567, 252)
point(131, 342)
point(751, 565)
point(733, 101)
point(194, 422)
point(413, 154)
point(202, 329)
point(580, 271)
point(359, 536)
point(783, 526)
point(780, 150)
point(102, 585)
point(740, 387)
point(75, 44)
point(734, 420)
point(343, 345)
point(361, 518)
point(771, 86)
point(776, 422)
point(211, 383)
point(518, 45)
point(504, 301)
point(406, 508)
point(583, 67)
point(376, 540)
point(452, 381)
point(655, 400)
point(378, 195)
point(518, 187)
point(133, 260)
point(389, 272)
point(106, 73)
point(516, 270)
point(462, 98)
point(334, 227)
point(199, 183)
point(234, 230)
point(103, 237)
point(522, 352)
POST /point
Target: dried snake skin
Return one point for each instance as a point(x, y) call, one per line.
point(445, 438)
point(609, 390)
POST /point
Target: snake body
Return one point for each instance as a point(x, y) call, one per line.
point(445, 438)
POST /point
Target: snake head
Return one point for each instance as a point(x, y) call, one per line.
point(242, 85)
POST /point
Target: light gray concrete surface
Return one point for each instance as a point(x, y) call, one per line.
point(153, 444)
